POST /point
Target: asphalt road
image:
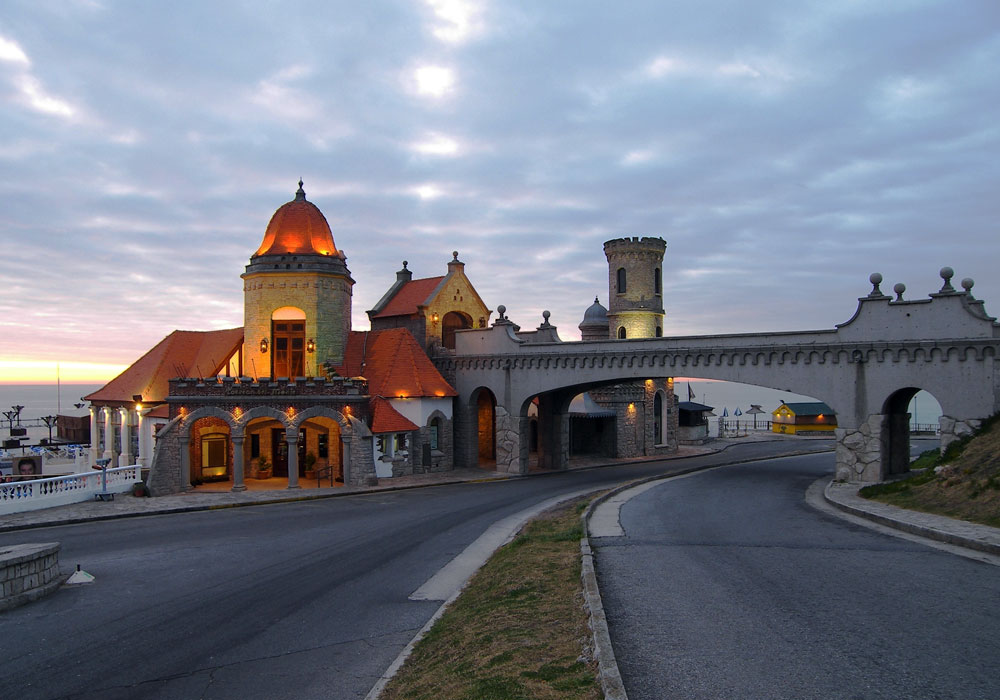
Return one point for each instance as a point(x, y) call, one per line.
point(298, 600)
point(728, 585)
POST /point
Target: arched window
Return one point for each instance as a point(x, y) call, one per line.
point(288, 342)
point(621, 333)
point(453, 321)
point(621, 280)
point(657, 419)
point(659, 332)
point(435, 433)
point(657, 281)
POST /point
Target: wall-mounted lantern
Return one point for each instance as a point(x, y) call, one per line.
point(263, 346)
point(434, 318)
point(310, 345)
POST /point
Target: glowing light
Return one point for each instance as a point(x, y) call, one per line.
point(290, 411)
point(237, 412)
point(435, 81)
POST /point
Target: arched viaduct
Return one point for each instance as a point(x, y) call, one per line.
point(867, 369)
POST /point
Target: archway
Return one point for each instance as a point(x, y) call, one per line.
point(211, 450)
point(897, 422)
point(453, 321)
point(288, 342)
point(486, 427)
point(321, 448)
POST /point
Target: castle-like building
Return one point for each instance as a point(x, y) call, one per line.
point(296, 393)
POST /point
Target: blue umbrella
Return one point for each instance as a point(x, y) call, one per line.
point(725, 413)
point(737, 412)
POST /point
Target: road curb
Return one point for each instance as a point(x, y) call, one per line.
point(849, 502)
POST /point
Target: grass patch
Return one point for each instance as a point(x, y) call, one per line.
point(966, 487)
point(519, 630)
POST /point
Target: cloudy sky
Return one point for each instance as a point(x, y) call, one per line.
point(784, 150)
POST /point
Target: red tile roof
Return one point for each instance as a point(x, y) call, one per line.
point(298, 227)
point(386, 419)
point(180, 354)
point(394, 365)
point(411, 295)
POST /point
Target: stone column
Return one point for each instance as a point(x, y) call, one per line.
point(346, 461)
point(185, 441)
point(292, 438)
point(95, 445)
point(859, 451)
point(508, 438)
point(109, 435)
point(238, 484)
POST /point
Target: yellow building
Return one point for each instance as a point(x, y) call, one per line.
point(803, 417)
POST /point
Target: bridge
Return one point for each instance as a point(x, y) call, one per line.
point(867, 369)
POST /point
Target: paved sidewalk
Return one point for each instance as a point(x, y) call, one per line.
point(982, 538)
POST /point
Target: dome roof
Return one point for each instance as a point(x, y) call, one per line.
point(595, 316)
point(298, 228)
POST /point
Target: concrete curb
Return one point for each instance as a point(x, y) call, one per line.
point(34, 594)
point(981, 538)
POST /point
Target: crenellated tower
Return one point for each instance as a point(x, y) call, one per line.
point(635, 287)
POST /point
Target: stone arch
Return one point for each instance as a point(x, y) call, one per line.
point(208, 412)
point(326, 445)
point(895, 434)
point(451, 322)
point(264, 412)
point(210, 446)
point(321, 412)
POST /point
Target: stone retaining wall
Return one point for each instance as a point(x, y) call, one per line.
point(28, 572)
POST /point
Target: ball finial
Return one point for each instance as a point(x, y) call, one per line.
point(968, 284)
point(876, 279)
point(899, 288)
point(946, 274)
point(545, 315)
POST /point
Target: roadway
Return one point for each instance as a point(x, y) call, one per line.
point(727, 584)
point(295, 600)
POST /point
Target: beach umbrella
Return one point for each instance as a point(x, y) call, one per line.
point(737, 412)
point(725, 413)
point(754, 410)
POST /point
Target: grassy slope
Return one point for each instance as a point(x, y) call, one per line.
point(967, 487)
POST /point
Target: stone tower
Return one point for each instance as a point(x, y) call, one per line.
point(297, 296)
point(635, 287)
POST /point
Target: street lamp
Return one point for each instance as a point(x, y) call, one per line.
point(50, 423)
point(17, 413)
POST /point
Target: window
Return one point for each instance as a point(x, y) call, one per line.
point(254, 445)
point(289, 342)
point(400, 442)
point(659, 332)
point(453, 321)
point(621, 280)
point(657, 419)
point(657, 281)
point(435, 433)
point(621, 333)
point(322, 445)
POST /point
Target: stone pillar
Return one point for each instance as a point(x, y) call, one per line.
point(859, 451)
point(346, 461)
point(508, 438)
point(238, 484)
point(109, 435)
point(896, 441)
point(185, 440)
point(95, 445)
point(292, 438)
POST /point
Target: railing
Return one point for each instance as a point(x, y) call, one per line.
point(735, 428)
point(926, 428)
point(33, 494)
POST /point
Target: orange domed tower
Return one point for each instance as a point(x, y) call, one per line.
point(297, 295)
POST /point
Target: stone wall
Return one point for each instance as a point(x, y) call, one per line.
point(27, 572)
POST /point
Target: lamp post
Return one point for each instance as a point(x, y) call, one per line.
point(9, 416)
point(17, 413)
point(50, 423)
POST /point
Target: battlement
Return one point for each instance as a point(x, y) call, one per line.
point(266, 386)
point(651, 244)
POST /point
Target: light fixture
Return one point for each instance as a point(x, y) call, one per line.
point(263, 346)
point(434, 318)
point(310, 345)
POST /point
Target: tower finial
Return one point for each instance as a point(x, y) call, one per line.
point(300, 193)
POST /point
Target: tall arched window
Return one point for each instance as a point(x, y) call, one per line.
point(288, 342)
point(621, 333)
point(657, 419)
point(621, 280)
point(657, 281)
point(453, 321)
point(659, 332)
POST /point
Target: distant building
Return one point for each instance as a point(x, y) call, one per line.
point(803, 417)
point(692, 422)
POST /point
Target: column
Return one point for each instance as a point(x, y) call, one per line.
point(185, 459)
point(142, 459)
point(95, 445)
point(109, 435)
point(125, 438)
point(238, 484)
point(292, 438)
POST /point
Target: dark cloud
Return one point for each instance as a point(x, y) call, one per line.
point(785, 150)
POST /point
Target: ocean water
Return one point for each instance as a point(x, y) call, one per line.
point(42, 400)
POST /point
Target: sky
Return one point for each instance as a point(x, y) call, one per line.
point(784, 151)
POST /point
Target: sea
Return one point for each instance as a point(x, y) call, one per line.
point(42, 400)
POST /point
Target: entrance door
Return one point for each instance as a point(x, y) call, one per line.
point(279, 452)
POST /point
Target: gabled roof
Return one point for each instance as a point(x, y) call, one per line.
point(394, 365)
point(808, 408)
point(409, 296)
point(386, 419)
point(180, 354)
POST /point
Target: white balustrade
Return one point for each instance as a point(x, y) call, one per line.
point(33, 494)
